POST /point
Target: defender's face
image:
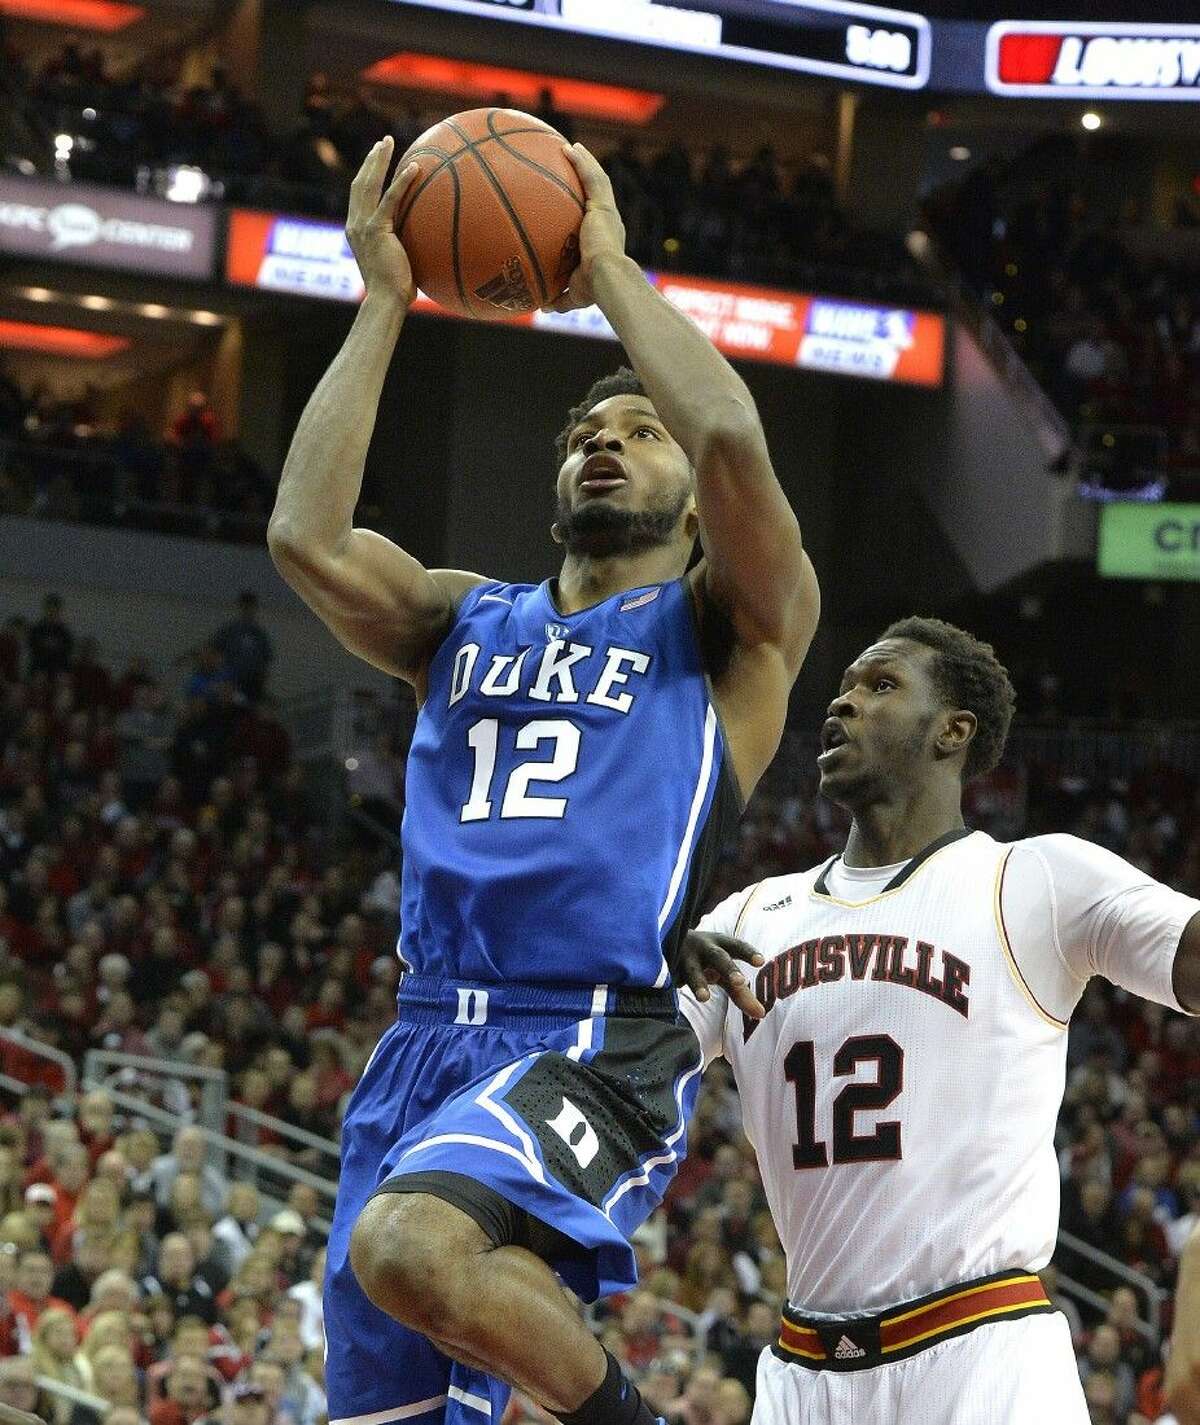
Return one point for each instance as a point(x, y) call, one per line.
point(621, 453)
point(881, 726)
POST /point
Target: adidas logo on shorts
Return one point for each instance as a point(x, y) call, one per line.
point(847, 1350)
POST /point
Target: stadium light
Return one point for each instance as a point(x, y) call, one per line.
point(960, 153)
point(186, 184)
point(1091, 121)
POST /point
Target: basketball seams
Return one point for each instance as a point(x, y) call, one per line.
point(498, 189)
point(454, 253)
point(447, 160)
point(410, 198)
point(547, 173)
point(455, 214)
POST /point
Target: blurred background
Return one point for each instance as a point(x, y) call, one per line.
point(955, 255)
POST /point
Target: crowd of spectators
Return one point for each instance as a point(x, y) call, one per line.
point(167, 887)
point(691, 210)
point(1106, 319)
point(61, 459)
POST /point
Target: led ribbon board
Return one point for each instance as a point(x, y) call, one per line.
point(277, 253)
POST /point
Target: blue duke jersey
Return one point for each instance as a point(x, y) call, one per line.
point(568, 788)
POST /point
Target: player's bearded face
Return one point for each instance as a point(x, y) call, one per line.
point(602, 528)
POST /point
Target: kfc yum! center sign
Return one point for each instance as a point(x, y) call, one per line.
point(1061, 59)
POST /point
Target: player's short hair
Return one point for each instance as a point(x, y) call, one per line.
point(622, 382)
point(968, 675)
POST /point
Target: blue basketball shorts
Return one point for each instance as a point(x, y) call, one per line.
point(569, 1102)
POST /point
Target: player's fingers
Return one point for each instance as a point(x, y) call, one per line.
point(597, 187)
point(367, 183)
point(721, 968)
point(401, 182)
point(739, 949)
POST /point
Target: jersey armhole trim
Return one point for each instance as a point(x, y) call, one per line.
point(1011, 960)
point(753, 891)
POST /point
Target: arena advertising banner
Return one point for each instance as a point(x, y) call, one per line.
point(1140, 541)
point(102, 227)
point(277, 253)
point(285, 254)
point(1082, 60)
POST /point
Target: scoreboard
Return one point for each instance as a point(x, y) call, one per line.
point(895, 48)
point(837, 38)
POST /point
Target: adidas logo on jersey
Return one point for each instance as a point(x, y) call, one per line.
point(847, 1351)
point(778, 905)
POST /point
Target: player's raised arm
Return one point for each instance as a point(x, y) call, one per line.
point(378, 601)
point(756, 566)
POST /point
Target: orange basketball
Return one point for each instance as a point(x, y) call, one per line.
point(491, 224)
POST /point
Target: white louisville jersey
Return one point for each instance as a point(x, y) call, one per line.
point(903, 1089)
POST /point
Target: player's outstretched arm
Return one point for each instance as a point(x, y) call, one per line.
point(378, 601)
point(1182, 1383)
point(756, 569)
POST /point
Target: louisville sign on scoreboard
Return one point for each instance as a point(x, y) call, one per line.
point(1149, 542)
point(277, 253)
point(1092, 60)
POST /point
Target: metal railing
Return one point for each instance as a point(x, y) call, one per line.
point(1053, 431)
point(98, 491)
point(1093, 749)
point(267, 1171)
point(109, 1069)
point(247, 1120)
point(1151, 1325)
point(121, 1074)
point(62, 1061)
point(73, 1394)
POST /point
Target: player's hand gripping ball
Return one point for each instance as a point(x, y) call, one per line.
point(491, 220)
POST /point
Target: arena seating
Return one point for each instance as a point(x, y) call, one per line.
point(169, 888)
point(1098, 301)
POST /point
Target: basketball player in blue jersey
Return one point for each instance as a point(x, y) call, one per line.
point(582, 745)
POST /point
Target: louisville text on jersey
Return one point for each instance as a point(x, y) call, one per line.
point(1098, 61)
point(884, 958)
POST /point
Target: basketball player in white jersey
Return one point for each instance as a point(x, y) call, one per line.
point(903, 1085)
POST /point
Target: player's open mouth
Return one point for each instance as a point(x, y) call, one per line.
point(833, 741)
point(602, 472)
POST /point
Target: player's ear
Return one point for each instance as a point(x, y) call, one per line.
point(556, 533)
point(958, 730)
point(691, 515)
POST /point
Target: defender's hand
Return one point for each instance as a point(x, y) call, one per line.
point(370, 225)
point(708, 959)
point(602, 233)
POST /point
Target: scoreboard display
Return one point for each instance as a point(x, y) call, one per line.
point(837, 38)
point(883, 45)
